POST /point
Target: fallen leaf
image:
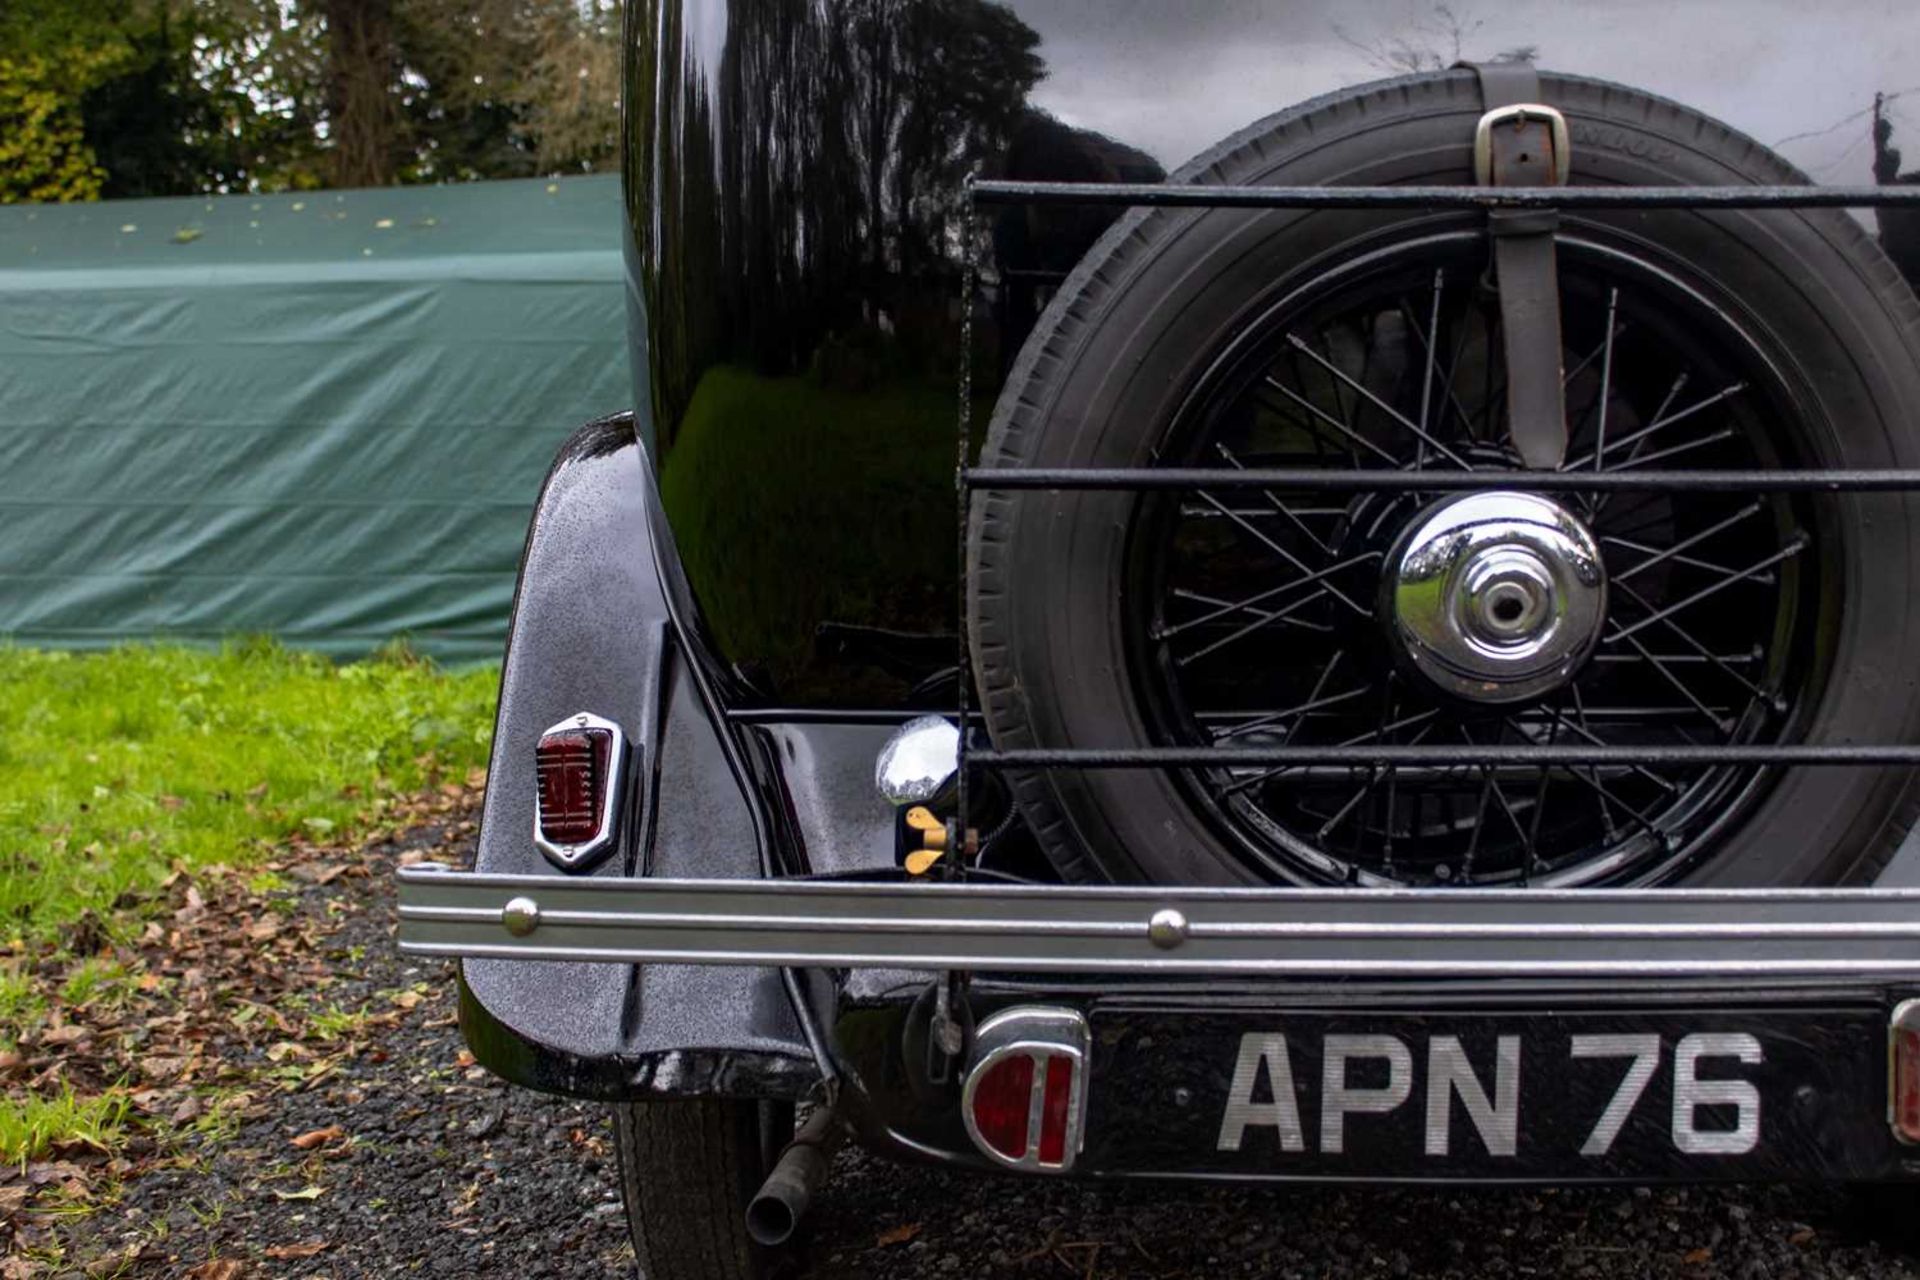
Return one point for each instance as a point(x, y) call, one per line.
point(12, 1198)
point(464, 1058)
point(216, 1269)
point(304, 1193)
point(1803, 1236)
point(41, 1173)
point(1697, 1257)
point(898, 1235)
point(69, 1034)
point(288, 1251)
point(18, 1269)
point(406, 999)
point(319, 1137)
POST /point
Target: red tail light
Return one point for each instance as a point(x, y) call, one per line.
point(1903, 1071)
point(1002, 1103)
point(1025, 1095)
point(1055, 1105)
point(577, 770)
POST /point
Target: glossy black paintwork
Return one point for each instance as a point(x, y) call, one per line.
point(593, 631)
point(795, 232)
point(793, 182)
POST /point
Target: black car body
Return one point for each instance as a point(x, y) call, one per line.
point(756, 580)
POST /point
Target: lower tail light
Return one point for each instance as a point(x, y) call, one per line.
point(1002, 1107)
point(1025, 1096)
point(578, 765)
point(1903, 1071)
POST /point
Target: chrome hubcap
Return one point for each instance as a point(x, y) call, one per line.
point(1495, 597)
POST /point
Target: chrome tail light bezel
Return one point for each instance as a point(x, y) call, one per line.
point(1043, 1034)
point(580, 855)
point(1903, 1072)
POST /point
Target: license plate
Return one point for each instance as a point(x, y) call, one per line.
point(1671, 1093)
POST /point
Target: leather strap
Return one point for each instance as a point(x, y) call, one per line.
point(1504, 84)
point(1526, 270)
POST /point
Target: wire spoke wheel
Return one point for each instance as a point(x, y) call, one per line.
point(1271, 627)
point(1371, 341)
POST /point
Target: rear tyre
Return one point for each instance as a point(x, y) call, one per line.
point(687, 1171)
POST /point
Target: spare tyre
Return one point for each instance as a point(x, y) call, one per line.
point(1370, 340)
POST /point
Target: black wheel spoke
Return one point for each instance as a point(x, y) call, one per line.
point(1601, 798)
point(1226, 608)
point(1372, 735)
point(1714, 718)
point(1341, 375)
point(1431, 343)
point(1353, 437)
point(1787, 552)
point(1311, 575)
point(1287, 513)
point(1655, 556)
point(1306, 708)
point(1673, 451)
point(1506, 807)
point(1661, 421)
point(1701, 653)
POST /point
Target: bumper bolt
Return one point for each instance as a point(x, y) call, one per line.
point(1167, 928)
point(521, 916)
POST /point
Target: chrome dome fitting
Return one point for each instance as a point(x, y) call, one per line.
point(1495, 597)
point(919, 761)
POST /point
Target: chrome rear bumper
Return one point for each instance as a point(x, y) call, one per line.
point(1861, 934)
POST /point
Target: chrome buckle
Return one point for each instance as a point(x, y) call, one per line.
point(1521, 115)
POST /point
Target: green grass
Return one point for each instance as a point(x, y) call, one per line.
point(31, 1124)
point(20, 1004)
point(114, 766)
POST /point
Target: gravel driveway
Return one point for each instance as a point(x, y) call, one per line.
point(427, 1166)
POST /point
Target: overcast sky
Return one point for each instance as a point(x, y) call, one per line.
point(1772, 68)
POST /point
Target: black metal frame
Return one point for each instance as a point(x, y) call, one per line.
point(970, 479)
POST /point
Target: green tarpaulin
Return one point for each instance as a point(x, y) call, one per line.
point(320, 416)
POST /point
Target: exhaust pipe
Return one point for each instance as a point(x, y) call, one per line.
point(775, 1211)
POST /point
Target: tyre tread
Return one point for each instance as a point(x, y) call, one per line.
point(683, 1165)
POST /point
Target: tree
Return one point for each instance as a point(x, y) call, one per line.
point(1433, 43)
point(48, 59)
point(363, 72)
point(169, 97)
point(152, 97)
point(509, 88)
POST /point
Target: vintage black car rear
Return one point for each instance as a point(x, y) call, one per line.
point(1151, 623)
